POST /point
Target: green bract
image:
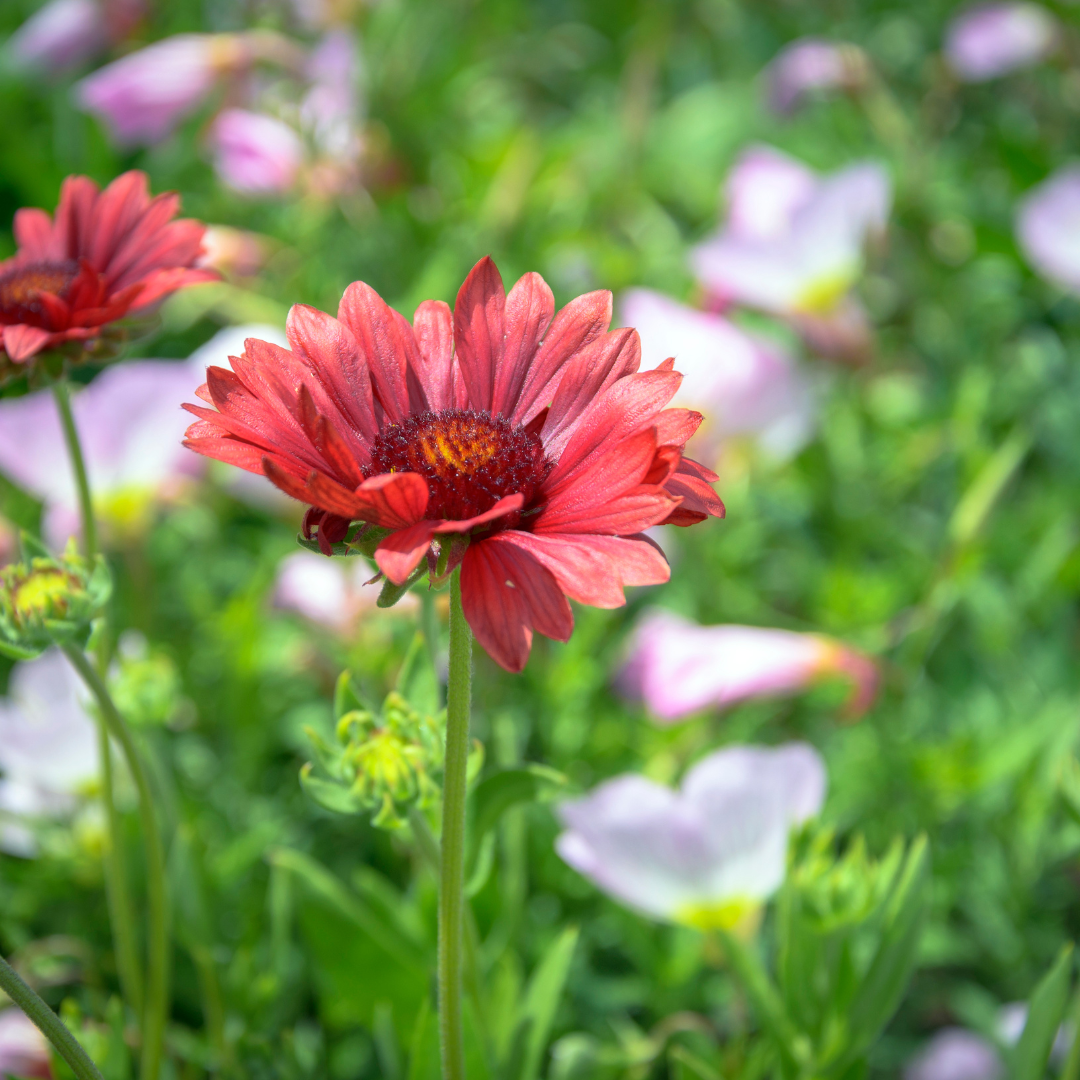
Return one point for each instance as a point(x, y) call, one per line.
point(381, 763)
point(47, 599)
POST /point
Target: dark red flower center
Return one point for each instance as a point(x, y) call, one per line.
point(469, 459)
point(22, 286)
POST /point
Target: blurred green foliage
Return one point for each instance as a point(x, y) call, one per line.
point(933, 522)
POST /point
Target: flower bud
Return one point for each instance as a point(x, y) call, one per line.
point(380, 763)
point(45, 600)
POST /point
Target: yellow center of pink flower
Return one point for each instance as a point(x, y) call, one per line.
point(469, 459)
point(21, 289)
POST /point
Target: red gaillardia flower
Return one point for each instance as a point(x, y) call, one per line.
point(107, 254)
point(520, 443)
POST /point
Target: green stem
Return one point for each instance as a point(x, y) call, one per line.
point(157, 973)
point(452, 861)
point(121, 911)
point(48, 1022)
point(78, 467)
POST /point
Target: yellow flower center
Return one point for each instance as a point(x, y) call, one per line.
point(42, 593)
point(740, 915)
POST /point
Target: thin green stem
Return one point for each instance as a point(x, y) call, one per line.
point(48, 1022)
point(157, 968)
point(213, 1006)
point(452, 861)
point(117, 891)
point(78, 467)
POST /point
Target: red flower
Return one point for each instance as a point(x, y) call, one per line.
point(107, 254)
point(533, 440)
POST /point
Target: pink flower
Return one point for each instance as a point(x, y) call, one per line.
point(793, 242)
point(254, 153)
point(1048, 228)
point(678, 667)
point(143, 96)
point(989, 40)
point(24, 1051)
point(330, 592)
point(63, 34)
point(130, 425)
point(331, 107)
point(956, 1054)
point(708, 855)
point(744, 384)
point(811, 64)
point(48, 748)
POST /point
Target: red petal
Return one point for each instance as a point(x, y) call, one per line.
point(58, 314)
point(22, 341)
point(529, 308)
point(161, 283)
point(118, 209)
point(584, 379)
point(620, 467)
point(639, 509)
point(433, 326)
point(699, 501)
point(594, 569)
point(404, 550)
point(329, 346)
point(580, 322)
point(34, 234)
point(506, 594)
point(394, 500)
point(74, 215)
point(674, 427)
point(478, 331)
point(227, 449)
point(625, 408)
point(378, 335)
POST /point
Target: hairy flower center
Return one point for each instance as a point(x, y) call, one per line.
point(21, 289)
point(469, 459)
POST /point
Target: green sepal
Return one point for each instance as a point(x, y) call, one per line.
point(392, 593)
point(330, 796)
point(14, 652)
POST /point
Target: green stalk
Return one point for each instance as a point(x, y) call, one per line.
point(78, 467)
point(452, 861)
point(121, 909)
point(157, 974)
point(121, 912)
point(48, 1022)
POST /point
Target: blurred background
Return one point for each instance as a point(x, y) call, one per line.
point(855, 225)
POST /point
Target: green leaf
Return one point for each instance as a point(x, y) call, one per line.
point(338, 895)
point(880, 992)
point(537, 1015)
point(1044, 1017)
point(688, 1066)
point(392, 593)
point(499, 791)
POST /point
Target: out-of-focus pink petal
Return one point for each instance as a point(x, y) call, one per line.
point(956, 1054)
point(256, 154)
point(1048, 228)
point(61, 35)
point(744, 384)
point(24, 1051)
point(811, 64)
point(721, 840)
point(143, 96)
point(990, 40)
point(678, 667)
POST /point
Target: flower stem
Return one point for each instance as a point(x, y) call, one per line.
point(157, 973)
point(78, 467)
point(452, 862)
point(121, 912)
point(48, 1022)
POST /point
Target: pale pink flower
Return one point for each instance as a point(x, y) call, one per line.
point(60, 35)
point(330, 592)
point(794, 240)
point(678, 667)
point(811, 64)
point(993, 39)
point(24, 1051)
point(331, 107)
point(48, 748)
point(956, 1054)
point(708, 855)
point(254, 153)
point(130, 425)
point(143, 96)
point(1048, 228)
point(743, 383)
